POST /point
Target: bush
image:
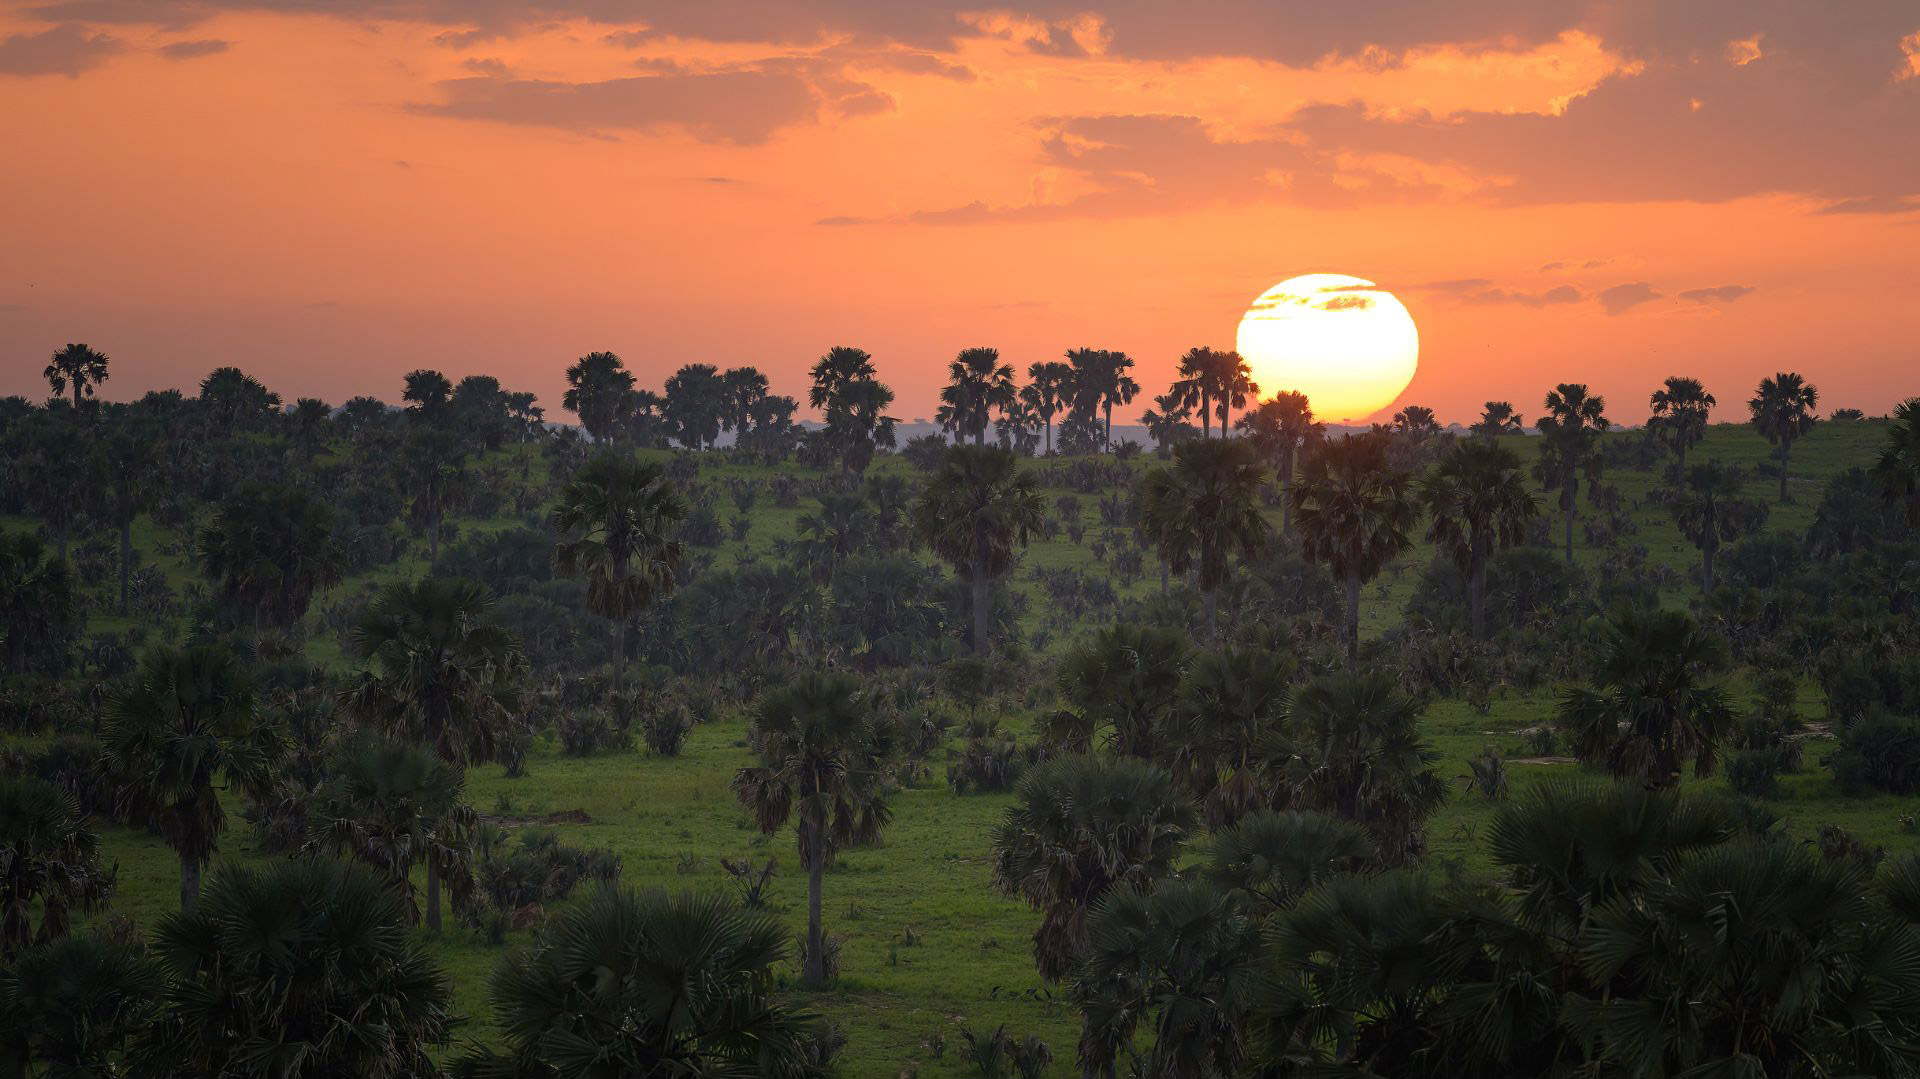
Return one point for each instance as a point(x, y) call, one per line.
point(585, 733)
point(665, 728)
point(1880, 752)
point(1755, 773)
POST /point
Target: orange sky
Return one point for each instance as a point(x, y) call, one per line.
point(332, 192)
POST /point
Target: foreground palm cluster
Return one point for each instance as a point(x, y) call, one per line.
point(290, 645)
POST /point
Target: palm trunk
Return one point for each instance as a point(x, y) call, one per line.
point(1286, 489)
point(433, 891)
point(189, 882)
point(981, 624)
point(1206, 416)
point(1477, 593)
point(127, 559)
point(1107, 435)
point(815, 974)
point(1353, 619)
point(1707, 550)
point(1049, 435)
point(1783, 470)
point(1571, 511)
point(1213, 627)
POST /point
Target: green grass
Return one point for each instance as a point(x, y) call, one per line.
point(928, 881)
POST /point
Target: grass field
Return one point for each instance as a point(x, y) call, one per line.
point(929, 945)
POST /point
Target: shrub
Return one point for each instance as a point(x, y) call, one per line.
point(1880, 752)
point(1755, 773)
point(584, 733)
point(665, 728)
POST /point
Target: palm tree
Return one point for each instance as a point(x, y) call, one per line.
point(71, 1005)
point(309, 419)
point(236, 401)
point(430, 393)
point(1232, 385)
point(1570, 446)
point(1229, 699)
point(599, 391)
point(301, 969)
point(188, 720)
point(436, 459)
point(1498, 419)
point(1651, 708)
point(1100, 381)
point(697, 404)
point(1711, 512)
point(1281, 429)
point(391, 805)
point(1352, 748)
point(977, 383)
point(1272, 858)
point(77, 367)
point(49, 863)
point(1782, 410)
point(742, 390)
point(1203, 510)
point(437, 672)
point(619, 523)
point(1356, 511)
point(1680, 417)
point(1478, 499)
point(823, 750)
point(41, 614)
point(1897, 470)
point(1195, 385)
point(1180, 955)
point(269, 549)
point(1081, 826)
point(974, 512)
point(1168, 426)
point(1049, 389)
point(632, 983)
point(1124, 679)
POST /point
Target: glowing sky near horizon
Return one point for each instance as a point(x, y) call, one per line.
point(329, 193)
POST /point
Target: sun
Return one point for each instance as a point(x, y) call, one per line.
point(1350, 347)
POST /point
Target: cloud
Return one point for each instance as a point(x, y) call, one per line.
point(1718, 294)
point(67, 49)
point(1873, 204)
point(490, 65)
point(188, 50)
point(1481, 291)
point(1346, 303)
point(744, 104)
point(1620, 299)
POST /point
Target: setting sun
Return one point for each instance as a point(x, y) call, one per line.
point(1351, 348)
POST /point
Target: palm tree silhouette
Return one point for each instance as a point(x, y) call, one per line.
point(1498, 419)
point(977, 383)
point(79, 368)
point(599, 388)
point(619, 522)
point(975, 510)
point(1651, 709)
point(1205, 508)
point(1782, 410)
point(823, 750)
point(1478, 499)
point(1281, 429)
point(1355, 510)
point(1049, 389)
point(1570, 447)
point(1680, 417)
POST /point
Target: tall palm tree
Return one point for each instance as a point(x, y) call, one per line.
point(77, 367)
point(1570, 446)
point(599, 391)
point(1100, 382)
point(430, 394)
point(1204, 509)
point(437, 672)
point(823, 751)
point(1169, 424)
point(742, 389)
point(1079, 827)
point(1711, 512)
point(1229, 699)
point(1352, 748)
point(1356, 512)
point(1498, 419)
point(309, 419)
point(1783, 413)
point(188, 722)
point(302, 969)
point(634, 983)
point(435, 460)
point(232, 400)
point(1195, 385)
point(974, 512)
point(1680, 417)
point(1232, 385)
point(1180, 955)
point(390, 806)
point(49, 863)
point(977, 383)
point(619, 522)
point(71, 1005)
point(1049, 390)
point(697, 404)
point(1651, 708)
point(269, 549)
point(1477, 498)
point(1897, 470)
point(1282, 429)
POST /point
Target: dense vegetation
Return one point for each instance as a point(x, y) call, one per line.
point(438, 738)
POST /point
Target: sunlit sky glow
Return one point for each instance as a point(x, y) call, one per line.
point(332, 192)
